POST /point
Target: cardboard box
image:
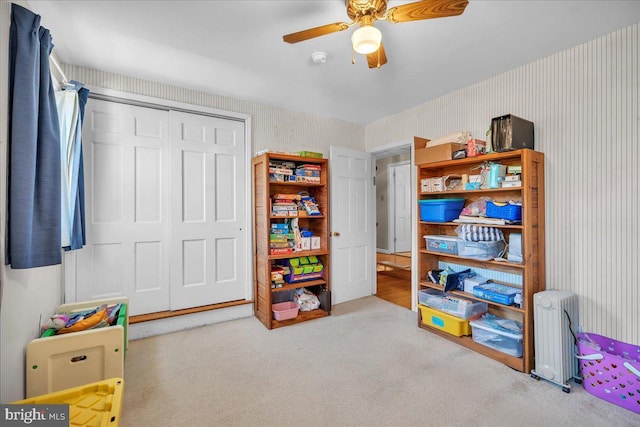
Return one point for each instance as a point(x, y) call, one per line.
point(424, 154)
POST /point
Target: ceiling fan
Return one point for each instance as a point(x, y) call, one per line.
point(367, 40)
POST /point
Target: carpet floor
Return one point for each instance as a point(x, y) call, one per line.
point(368, 364)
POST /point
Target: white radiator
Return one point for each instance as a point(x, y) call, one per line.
point(555, 317)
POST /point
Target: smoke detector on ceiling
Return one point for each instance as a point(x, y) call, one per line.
point(319, 57)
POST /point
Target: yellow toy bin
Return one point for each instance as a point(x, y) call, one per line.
point(445, 322)
point(93, 405)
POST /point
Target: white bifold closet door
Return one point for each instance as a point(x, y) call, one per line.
point(164, 208)
point(208, 255)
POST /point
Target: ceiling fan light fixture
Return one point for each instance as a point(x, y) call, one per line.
point(366, 39)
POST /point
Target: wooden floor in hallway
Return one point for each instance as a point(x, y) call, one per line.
point(394, 278)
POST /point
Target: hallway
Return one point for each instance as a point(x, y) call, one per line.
point(394, 278)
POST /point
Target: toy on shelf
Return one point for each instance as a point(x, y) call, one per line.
point(303, 268)
point(277, 275)
point(310, 205)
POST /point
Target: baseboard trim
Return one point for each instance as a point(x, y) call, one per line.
point(167, 325)
point(165, 314)
point(383, 251)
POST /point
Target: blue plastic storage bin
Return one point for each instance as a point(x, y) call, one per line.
point(440, 210)
point(504, 211)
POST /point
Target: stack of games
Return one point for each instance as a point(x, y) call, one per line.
point(281, 171)
point(308, 173)
point(285, 205)
point(281, 239)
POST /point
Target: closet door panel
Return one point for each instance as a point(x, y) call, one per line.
point(208, 262)
point(126, 151)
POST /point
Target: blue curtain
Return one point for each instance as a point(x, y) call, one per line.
point(33, 193)
point(78, 230)
point(71, 102)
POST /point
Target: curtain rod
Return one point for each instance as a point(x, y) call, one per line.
point(57, 70)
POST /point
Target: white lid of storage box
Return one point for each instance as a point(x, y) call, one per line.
point(482, 324)
point(443, 237)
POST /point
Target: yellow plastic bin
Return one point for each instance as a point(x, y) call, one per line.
point(97, 404)
point(59, 362)
point(445, 322)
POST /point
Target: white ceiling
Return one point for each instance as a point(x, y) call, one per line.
point(235, 48)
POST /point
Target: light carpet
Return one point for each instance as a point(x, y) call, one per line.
point(368, 364)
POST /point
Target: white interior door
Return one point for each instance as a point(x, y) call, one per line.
point(402, 208)
point(352, 224)
point(126, 154)
point(208, 238)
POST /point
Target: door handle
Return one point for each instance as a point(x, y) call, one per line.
point(335, 233)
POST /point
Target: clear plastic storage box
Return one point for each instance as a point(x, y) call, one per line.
point(484, 333)
point(442, 244)
point(479, 250)
point(456, 306)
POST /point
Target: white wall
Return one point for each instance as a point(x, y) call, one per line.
point(273, 128)
point(27, 296)
point(584, 102)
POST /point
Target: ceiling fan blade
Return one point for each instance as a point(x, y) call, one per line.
point(378, 58)
point(426, 9)
point(315, 32)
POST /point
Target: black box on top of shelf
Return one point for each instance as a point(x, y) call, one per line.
point(510, 132)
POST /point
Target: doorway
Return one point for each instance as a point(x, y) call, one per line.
point(394, 211)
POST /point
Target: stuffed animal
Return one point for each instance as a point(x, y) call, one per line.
point(57, 321)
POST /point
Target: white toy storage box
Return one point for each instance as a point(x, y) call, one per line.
point(60, 362)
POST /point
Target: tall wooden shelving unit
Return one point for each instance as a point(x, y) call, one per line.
point(263, 191)
point(532, 269)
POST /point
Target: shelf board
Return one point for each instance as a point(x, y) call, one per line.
point(296, 184)
point(303, 316)
point(491, 157)
point(467, 295)
point(475, 261)
point(299, 254)
point(299, 217)
point(294, 157)
point(511, 226)
point(290, 286)
point(480, 191)
point(511, 361)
